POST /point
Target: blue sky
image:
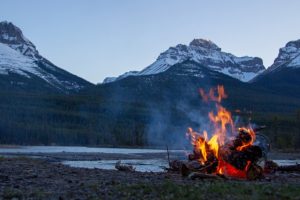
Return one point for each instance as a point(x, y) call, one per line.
point(95, 39)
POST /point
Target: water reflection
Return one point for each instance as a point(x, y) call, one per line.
point(151, 165)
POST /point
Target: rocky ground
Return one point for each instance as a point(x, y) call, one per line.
point(27, 178)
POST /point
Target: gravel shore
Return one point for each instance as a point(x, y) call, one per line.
point(27, 178)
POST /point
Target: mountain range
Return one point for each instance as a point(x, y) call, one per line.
point(206, 53)
point(21, 65)
point(44, 104)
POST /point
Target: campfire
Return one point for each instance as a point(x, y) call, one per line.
point(224, 151)
point(227, 151)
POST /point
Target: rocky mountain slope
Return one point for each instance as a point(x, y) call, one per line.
point(289, 56)
point(23, 68)
point(283, 75)
point(205, 53)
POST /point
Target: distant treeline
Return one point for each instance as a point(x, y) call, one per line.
point(41, 119)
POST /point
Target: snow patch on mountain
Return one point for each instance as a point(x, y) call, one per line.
point(112, 79)
point(19, 56)
point(295, 62)
point(13, 61)
point(206, 53)
point(14, 38)
point(289, 56)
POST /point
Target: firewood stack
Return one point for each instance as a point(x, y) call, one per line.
point(237, 158)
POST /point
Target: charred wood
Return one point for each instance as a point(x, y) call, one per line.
point(254, 172)
point(199, 175)
point(289, 168)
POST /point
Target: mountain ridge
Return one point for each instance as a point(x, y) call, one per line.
point(204, 52)
point(20, 58)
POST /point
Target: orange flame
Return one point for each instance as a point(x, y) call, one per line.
point(247, 144)
point(223, 124)
point(199, 143)
point(211, 94)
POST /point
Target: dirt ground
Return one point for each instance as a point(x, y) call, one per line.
point(28, 178)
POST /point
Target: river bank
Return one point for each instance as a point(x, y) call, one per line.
point(27, 178)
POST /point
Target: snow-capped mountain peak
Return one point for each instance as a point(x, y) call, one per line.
point(20, 58)
point(289, 56)
point(207, 44)
point(14, 38)
point(205, 53)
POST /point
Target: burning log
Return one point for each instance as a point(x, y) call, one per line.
point(184, 170)
point(194, 166)
point(243, 139)
point(270, 167)
point(188, 167)
point(240, 159)
point(185, 167)
point(236, 158)
point(254, 172)
point(199, 175)
point(175, 165)
point(124, 167)
point(289, 168)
